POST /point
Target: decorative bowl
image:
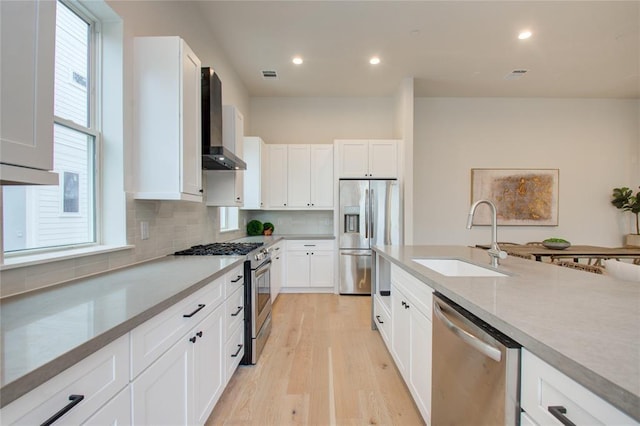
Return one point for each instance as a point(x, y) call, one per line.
point(556, 245)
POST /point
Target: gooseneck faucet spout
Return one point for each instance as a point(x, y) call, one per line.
point(494, 251)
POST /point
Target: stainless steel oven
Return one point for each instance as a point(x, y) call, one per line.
point(258, 304)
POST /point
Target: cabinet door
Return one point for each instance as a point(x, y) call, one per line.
point(239, 151)
point(254, 177)
point(298, 268)
point(27, 68)
point(420, 364)
point(322, 176)
point(115, 412)
point(321, 269)
point(277, 182)
point(191, 172)
point(161, 394)
point(298, 176)
point(401, 332)
point(277, 258)
point(383, 159)
point(208, 363)
point(353, 159)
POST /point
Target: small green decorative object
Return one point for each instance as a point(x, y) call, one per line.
point(268, 228)
point(254, 227)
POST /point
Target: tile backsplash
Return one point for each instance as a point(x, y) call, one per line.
point(296, 222)
point(173, 225)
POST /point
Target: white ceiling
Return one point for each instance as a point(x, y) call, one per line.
point(461, 48)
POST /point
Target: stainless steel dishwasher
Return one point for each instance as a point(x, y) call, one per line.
point(476, 370)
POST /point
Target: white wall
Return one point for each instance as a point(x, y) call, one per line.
point(594, 142)
point(321, 120)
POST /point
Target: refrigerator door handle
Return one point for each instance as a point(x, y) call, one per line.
point(366, 213)
point(371, 219)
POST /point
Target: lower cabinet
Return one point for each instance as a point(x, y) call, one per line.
point(548, 397)
point(310, 264)
point(277, 269)
point(408, 336)
point(115, 412)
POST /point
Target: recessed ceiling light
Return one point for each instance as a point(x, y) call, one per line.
point(524, 35)
point(374, 61)
point(297, 60)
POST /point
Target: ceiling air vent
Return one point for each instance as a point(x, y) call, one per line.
point(269, 75)
point(515, 75)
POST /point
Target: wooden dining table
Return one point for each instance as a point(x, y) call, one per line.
point(594, 254)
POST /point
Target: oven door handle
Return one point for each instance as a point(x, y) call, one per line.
point(468, 338)
point(264, 267)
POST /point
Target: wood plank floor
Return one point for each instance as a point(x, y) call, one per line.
point(322, 365)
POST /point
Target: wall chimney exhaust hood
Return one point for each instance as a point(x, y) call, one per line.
point(215, 156)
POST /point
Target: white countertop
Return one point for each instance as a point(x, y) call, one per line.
point(586, 325)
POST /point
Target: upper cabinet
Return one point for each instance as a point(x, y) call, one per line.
point(167, 135)
point(226, 187)
point(27, 37)
point(300, 176)
point(367, 158)
point(255, 178)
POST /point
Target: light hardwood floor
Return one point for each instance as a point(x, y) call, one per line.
point(322, 365)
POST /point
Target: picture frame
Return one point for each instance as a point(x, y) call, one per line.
point(523, 197)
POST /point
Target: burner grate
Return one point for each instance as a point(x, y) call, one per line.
point(220, 249)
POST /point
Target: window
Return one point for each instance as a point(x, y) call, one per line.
point(46, 216)
point(229, 219)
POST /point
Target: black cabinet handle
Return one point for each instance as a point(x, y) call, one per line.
point(558, 411)
point(235, 314)
point(405, 304)
point(199, 333)
point(237, 352)
point(75, 400)
point(237, 279)
point(379, 320)
point(200, 306)
point(193, 339)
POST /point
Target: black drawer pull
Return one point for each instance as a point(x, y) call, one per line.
point(237, 279)
point(558, 411)
point(379, 320)
point(75, 400)
point(237, 352)
point(199, 333)
point(235, 314)
point(200, 306)
point(193, 339)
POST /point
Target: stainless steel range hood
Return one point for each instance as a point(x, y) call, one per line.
point(215, 156)
point(220, 158)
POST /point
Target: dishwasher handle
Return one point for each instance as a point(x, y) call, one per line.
point(473, 341)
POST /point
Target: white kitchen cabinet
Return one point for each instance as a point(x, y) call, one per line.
point(277, 269)
point(96, 379)
point(277, 176)
point(26, 124)
point(382, 318)
point(226, 187)
point(234, 332)
point(116, 412)
point(167, 120)
point(367, 158)
point(543, 386)
point(411, 344)
point(183, 385)
point(255, 177)
point(310, 264)
point(310, 176)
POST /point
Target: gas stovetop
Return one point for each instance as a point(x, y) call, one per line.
point(220, 249)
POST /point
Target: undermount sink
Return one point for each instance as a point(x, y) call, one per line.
point(458, 268)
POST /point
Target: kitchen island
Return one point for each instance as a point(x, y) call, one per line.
point(585, 325)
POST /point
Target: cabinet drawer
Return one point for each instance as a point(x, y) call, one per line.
point(233, 280)
point(310, 244)
point(382, 318)
point(543, 386)
point(152, 338)
point(234, 310)
point(97, 378)
point(234, 351)
point(413, 288)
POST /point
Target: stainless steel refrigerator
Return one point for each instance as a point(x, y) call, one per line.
point(369, 215)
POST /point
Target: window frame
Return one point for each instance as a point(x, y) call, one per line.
point(227, 222)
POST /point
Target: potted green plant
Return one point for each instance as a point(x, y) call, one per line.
point(268, 228)
point(624, 200)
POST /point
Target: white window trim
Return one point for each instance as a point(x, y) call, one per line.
point(224, 215)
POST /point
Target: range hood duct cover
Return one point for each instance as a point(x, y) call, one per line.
point(215, 156)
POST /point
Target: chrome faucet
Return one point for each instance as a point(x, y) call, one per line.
point(494, 251)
